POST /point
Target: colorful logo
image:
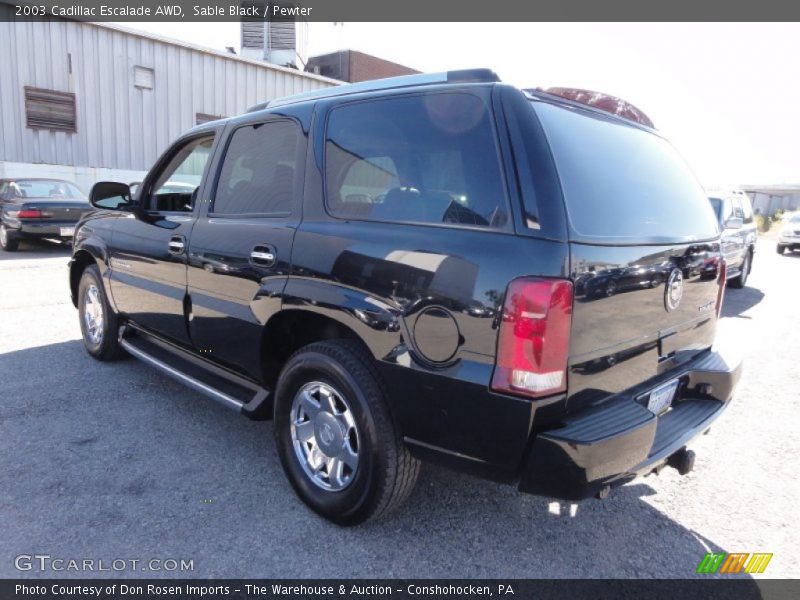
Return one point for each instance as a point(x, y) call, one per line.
point(735, 562)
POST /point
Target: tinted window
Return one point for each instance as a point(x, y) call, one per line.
point(258, 173)
point(624, 183)
point(428, 159)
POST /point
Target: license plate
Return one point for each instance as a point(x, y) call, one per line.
point(661, 398)
point(67, 231)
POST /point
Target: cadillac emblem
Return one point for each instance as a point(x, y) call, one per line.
point(674, 290)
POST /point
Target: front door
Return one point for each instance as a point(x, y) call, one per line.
point(240, 247)
point(148, 255)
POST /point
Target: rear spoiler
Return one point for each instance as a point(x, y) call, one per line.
point(599, 100)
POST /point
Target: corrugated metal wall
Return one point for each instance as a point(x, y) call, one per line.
point(120, 126)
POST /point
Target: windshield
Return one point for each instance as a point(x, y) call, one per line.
point(43, 188)
point(622, 183)
point(794, 219)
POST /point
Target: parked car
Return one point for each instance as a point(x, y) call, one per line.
point(388, 270)
point(735, 217)
point(39, 208)
point(177, 187)
point(789, 237)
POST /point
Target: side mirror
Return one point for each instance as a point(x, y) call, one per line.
point(734, 223)
point(110, 195)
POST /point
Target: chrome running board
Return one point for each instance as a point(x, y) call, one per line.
point(222, 386)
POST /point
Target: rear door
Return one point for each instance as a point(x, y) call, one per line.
point(148, 253)
point(240, 248)
point(642, 234)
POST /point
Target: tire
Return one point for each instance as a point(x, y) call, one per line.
point(384, 473)
point(780, 249)
point(100, 342)
point(8, 241)
point(741, 280)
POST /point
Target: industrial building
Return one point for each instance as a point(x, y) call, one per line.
point(353, 66)
point(88, 101)
point(768, 199)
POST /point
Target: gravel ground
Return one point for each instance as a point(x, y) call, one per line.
point(115, 461)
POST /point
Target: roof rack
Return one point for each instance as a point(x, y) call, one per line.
point(463, 76)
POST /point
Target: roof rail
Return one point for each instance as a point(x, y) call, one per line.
point(463, 76)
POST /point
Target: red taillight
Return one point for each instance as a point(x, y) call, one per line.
point(723, 278)
point(32, 213)
point(533, 343)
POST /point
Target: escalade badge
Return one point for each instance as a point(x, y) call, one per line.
point(674, 291)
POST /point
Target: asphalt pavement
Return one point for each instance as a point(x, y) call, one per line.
point(115, 461)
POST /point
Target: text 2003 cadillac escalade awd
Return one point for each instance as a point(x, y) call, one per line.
point(436, 267)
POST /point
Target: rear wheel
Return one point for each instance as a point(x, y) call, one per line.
point(740, 280)
point(8, 241)
point(99, 323)
point(337, 441)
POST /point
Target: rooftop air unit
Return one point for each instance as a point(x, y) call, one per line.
point(280, 42)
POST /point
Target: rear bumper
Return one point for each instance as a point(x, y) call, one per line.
point(614, 442)
point(43, 229)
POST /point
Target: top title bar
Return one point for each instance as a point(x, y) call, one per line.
point(405, 11)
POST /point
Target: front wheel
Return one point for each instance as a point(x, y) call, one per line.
point(99, 323)
point(336, 438)
point(8, 241)
point(781, 249)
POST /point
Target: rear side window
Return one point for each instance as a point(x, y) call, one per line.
point(259, 170)
point(423, 158)
point(622, 183)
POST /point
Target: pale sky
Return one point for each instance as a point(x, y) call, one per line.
point(726, 95)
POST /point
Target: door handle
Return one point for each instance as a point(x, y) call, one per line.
point(263, 256)
point(177, 244)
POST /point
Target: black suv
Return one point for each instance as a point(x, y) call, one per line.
point(436, 267)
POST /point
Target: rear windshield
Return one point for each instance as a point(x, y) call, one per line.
point(622, 183)
point(43, 188)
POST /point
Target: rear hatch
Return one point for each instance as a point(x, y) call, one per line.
point(644, 253)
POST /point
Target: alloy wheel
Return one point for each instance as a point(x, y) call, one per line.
point(93, 317)
point(324, 436)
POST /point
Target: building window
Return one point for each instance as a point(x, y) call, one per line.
point(49, 109)
point(201, 118)
point(143, 77)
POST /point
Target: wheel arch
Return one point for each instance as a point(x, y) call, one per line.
point(90, 251)
point(291, 329)
point(80, 260)
point(314, 310)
